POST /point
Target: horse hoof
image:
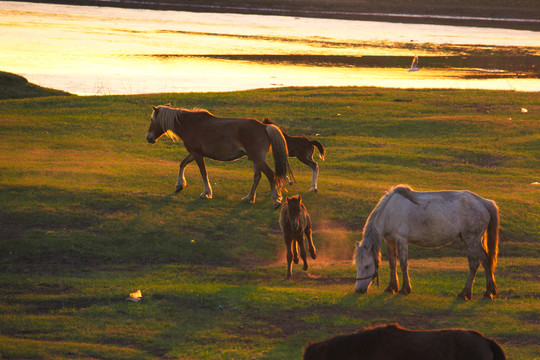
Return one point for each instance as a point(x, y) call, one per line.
point(314, 190)
point(404, 292)
point(390, 290)
point(205, 196)
point(489, 296)
point(313, 256)
point(295, 261)
point(247, 199)
point(305, 267)
point(462, 296)
point(178, 189)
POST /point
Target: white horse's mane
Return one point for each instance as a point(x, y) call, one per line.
point(372, 237)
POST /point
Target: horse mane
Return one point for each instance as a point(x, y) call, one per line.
point(169, 118)
point(268, 121)
point(371, 235)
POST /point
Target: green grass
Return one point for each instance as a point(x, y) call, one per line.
point(88, 215)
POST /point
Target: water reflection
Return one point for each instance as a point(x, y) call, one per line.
point(91, 50)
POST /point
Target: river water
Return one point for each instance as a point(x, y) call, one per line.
point(100, 50)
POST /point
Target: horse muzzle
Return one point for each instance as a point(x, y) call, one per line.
point(361, 291)
point(150, 138)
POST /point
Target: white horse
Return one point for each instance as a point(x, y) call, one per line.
point(430, 219)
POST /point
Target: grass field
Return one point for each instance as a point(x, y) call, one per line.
point(88, 215)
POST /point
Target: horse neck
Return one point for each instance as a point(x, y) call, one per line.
point(374, 228)
point(375, 222)
point(372, 235)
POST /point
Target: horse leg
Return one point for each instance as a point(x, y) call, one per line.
point(276, 194)
point(250, 198)
point(207, 194)
point(181, 181)
point(289, 243)
point(491, 287)
point(466, 293)
point(403, 258)
point(308, 160)
point(295, 251)
point(288, 180)
point(312, 250)
point(303, 251)
point(392, 260)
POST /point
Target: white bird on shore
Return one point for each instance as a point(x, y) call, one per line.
point(414, 65)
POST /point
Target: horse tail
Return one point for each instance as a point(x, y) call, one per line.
point(497, 351)
point(320, 147)
point(492, 233)
point(281, 155)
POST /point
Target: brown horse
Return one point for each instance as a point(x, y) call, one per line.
point(394, 342)
point(223, 139)
point(302, 148)
point(295, 222)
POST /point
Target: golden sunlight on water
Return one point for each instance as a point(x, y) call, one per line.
point(99, 50)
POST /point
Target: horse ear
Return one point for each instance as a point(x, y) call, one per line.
point(155, 108)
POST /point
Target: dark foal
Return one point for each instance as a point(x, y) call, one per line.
point(295, 223)
point(302, 148)
point(392, 342)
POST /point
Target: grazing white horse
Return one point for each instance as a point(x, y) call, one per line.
point(430, 219)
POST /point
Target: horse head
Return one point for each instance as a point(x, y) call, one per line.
point(154, 130)
point(294, 205)
point(367, 268)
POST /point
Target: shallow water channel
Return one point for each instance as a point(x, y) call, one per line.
point(99, 50)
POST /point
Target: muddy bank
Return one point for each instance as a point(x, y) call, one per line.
point(496, 13)
point(487, 66)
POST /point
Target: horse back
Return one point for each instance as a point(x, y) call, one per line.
point(437, 218)
point(299, 146)
point(395, 342)
point(224, 138)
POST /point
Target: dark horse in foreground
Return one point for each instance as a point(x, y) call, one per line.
point(223, 139)
point(429, 219)
point(394, 342)
point(295, 222)
point(302, 148)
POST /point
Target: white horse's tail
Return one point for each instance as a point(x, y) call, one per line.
point(492, 233)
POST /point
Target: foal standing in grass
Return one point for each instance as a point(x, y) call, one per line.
point(302, 148)
point(295, 223)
